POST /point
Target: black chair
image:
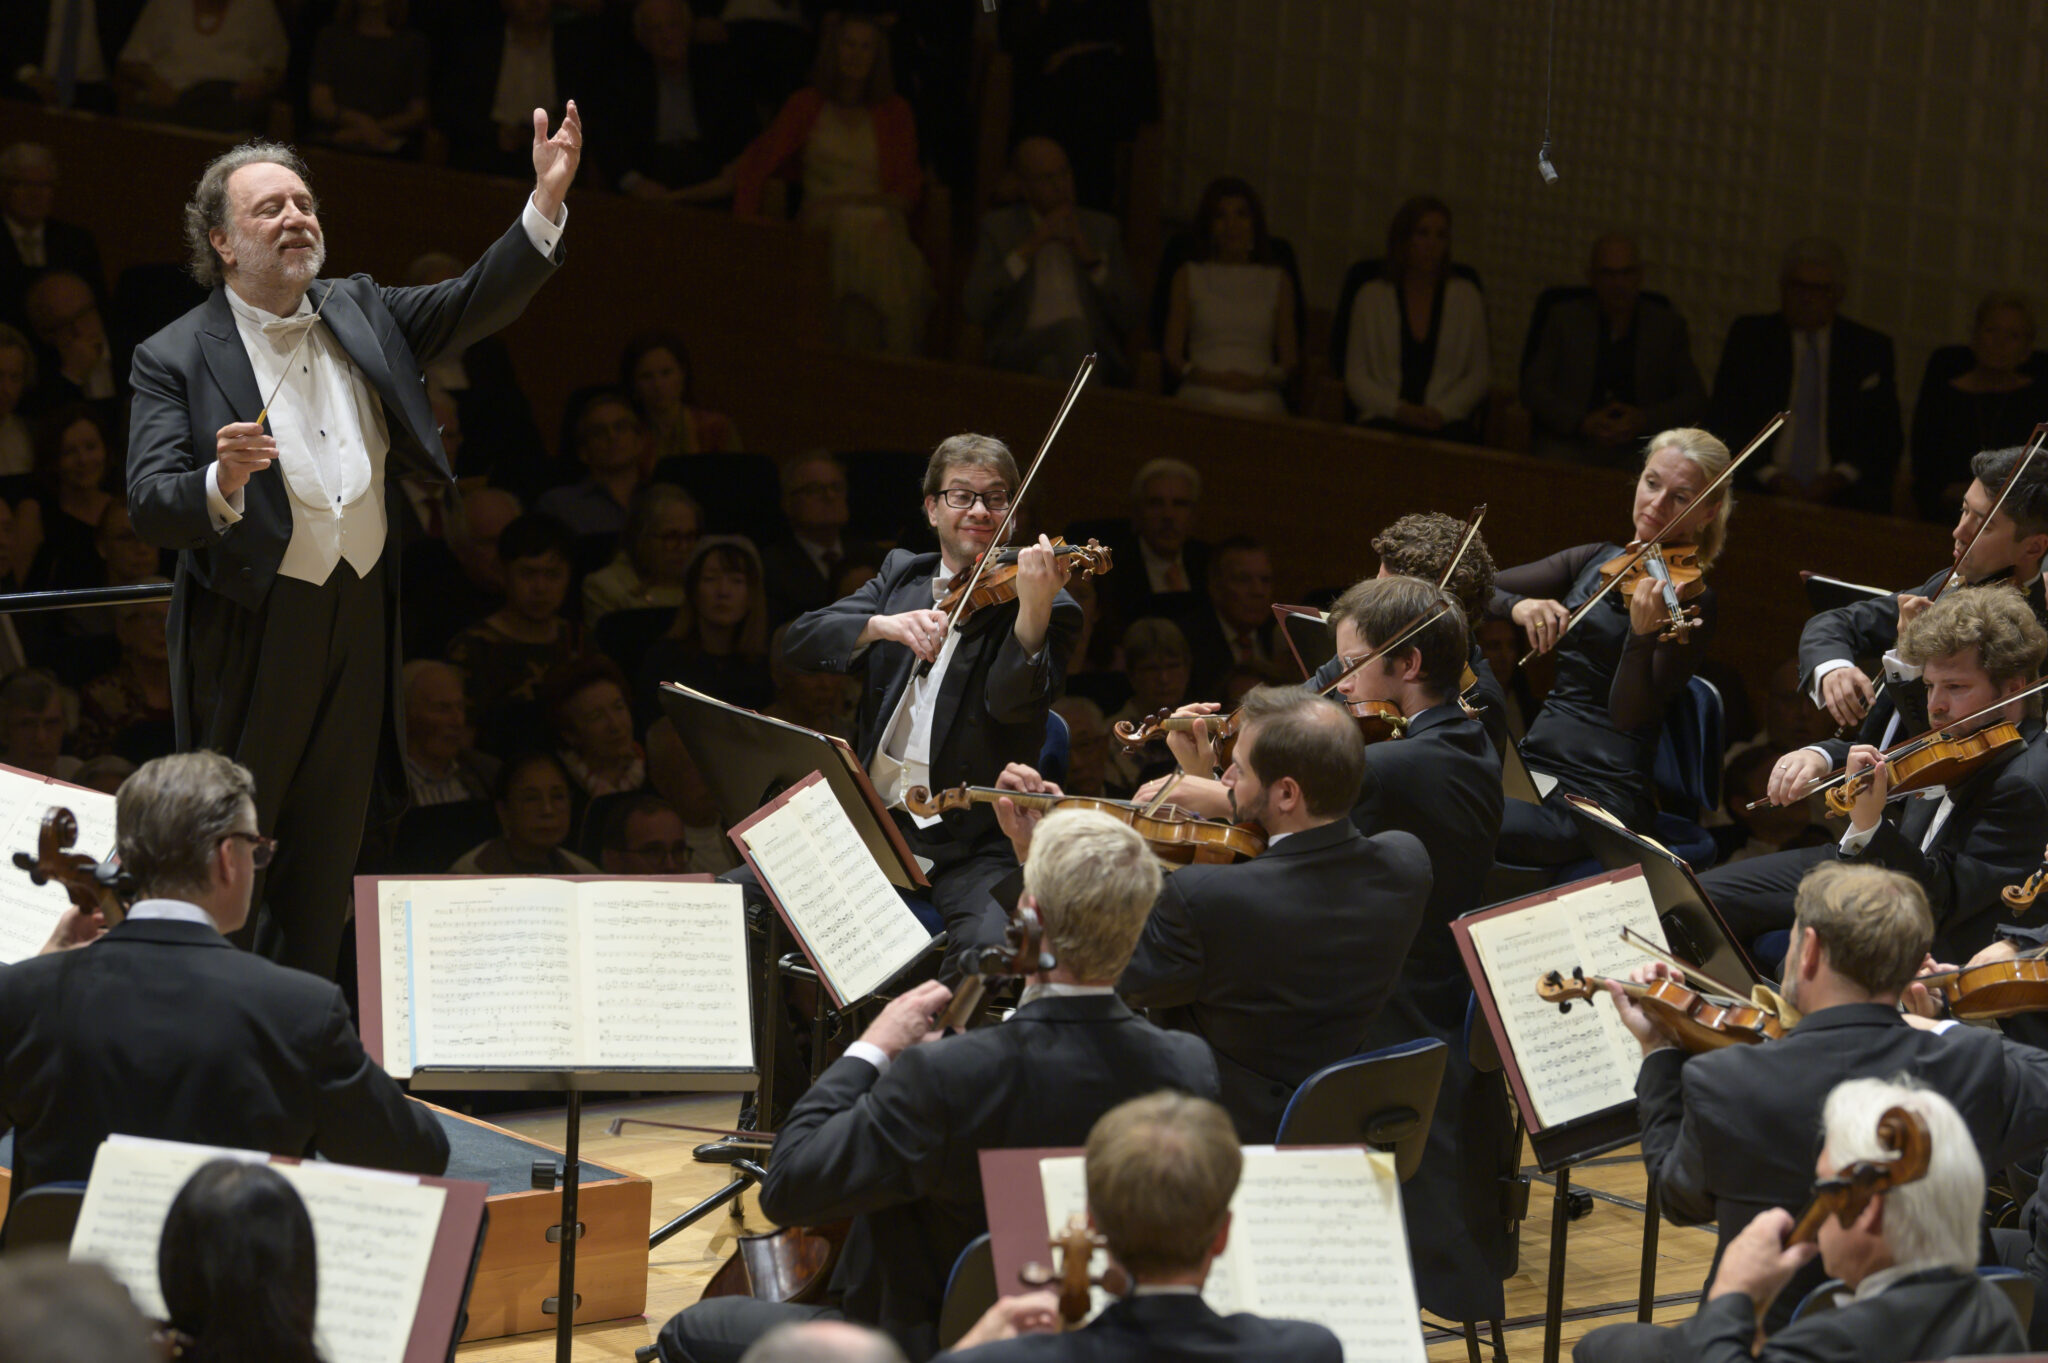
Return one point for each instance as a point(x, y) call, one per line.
point(42, 1218)
point(1384, 1099)
point(624, 636)
point(970, 1291)
point(430, 837)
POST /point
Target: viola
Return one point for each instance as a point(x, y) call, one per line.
point(998, 583)
point(1938, 759)
point(1996, 989)
point(94, 889)
point(1697, 1022)
point(1901, 1131)
point(1075, 1248)
point(1175, 835)
point(2019, 898)
point(1676, 570)
point(1023, 951)
point(1378, 720)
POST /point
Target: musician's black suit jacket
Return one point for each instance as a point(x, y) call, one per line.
point(194, 377)
point(1754, 383)
point(992, 705)
point(1731, 1133)
point(1281, 963)
point(1169, 1328)
point(899, 1152)
point(1941, 1313)
point(163, 1029)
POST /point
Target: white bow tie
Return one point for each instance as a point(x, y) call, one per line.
point(286, 326)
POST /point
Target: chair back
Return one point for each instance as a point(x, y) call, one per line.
point(2018, 1286)
point(1054, 757)
point(42, 1218)
point(1689, 751)
point(970, 1291)
point(1383, 1098)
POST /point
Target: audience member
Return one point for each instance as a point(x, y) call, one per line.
point(34, 724)
point(593, 728)
point(127, 709)
point(1234, 624)
point(1160, 555)
point(441, 766)
point(1088, 746)
point(210, 64)
point(1834, 376)
point(674, 775)
point(1230, 334)
point(802, 566)
point(824, 702)
point(612, 444)
point(34, 241)
point(671, 113)
point(1156, 660)
point(238, 1267)
point(1417, 357)
point(77, 363)
point(369, 80)
point(504, 70)
point(1048, 283)
point(656, 370)
point(719, 641)
point(823, 1341)
point(33, 62)
point(56, 1311)
point(105, 775)
point(644, 836)
point(497, 439)
point(1992, 404)
point(457, 580)
point(125, 556)
point(1791, 719)
point(860, 181)
point(1610, 365)
point(1771, 828)
point(535, 815)
point(17, 378)
point(505, 655)
point(1085, 73)
point(63, 523)
point(654, 552)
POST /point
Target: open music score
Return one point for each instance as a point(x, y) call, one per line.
point(28, 912)
point(1315, 1234)
point(533, 972)
point(830, 890)
point(1585, 1061)
point(374, 1237)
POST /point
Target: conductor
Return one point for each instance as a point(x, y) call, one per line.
point(270, 424)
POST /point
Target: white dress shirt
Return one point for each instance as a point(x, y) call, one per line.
point(1159, 570)
point(904, 756)
point(175, 910)
point(330, 430)
point(1781, 444)
point(526, 81)
point(92, 63)
point(28, 243)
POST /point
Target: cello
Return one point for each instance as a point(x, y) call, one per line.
point(100, 893)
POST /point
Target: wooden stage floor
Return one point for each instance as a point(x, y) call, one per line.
point(1601, 1268)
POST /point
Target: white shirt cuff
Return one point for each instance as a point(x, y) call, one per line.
point(1854, 842)
point(1898, 669)
point(1831, 665)
point(870, 1052)
point(542, 233)
point(1944, 1024)
point(224, 512)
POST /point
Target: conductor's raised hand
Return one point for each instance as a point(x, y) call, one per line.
point(909, 1019)
point(241, 448)
point(923, 632)
point(555, 160)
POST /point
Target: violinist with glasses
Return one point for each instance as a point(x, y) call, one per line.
point(1621, 663)
point(1981, 829)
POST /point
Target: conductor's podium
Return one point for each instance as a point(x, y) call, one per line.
point(516, 1271)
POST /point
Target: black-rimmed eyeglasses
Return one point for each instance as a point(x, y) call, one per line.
point(960, 498)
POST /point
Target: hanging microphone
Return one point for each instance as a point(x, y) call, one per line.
point(1543, 166)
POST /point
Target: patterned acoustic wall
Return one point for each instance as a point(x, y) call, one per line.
point(1718, 130)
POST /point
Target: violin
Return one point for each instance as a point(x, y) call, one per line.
point(1931, 760)
point(2019, 898)
point(1901, 1131)
point(1023, 951)
point(1698, 1023)
point(1075, 1247)
point(94, 889)
point(1676, 571)
point(999, 583)
point(1378, 720)
point(1175, 835)
point(1996, 989)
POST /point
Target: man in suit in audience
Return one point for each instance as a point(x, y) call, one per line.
point(671, 114)
point(1231, 625)
point(982, 701)
point(35, 50)
point(1907, 1262)
point(34, 241)
point(1834, 376)
point(891, 1133)
point(160, 1028)
point(1861, 934)
point(1156, 553)
point(1610, 366)
point(1049, 283)
point(801, 569)
point(1161, 1171)
point(1282, 962)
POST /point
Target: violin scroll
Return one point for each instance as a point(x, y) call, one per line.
point(92, 888)
point(1555, 988)
point(1075, 1248)
point(2019, 898)
point(1901, 1131)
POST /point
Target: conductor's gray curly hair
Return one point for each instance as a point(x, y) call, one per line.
point(208, 208)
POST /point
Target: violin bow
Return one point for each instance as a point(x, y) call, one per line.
point(981, 563)
point(1707, 494)
point(1427, 618)
point(1657, 953)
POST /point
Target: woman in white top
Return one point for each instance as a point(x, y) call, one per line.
point(204, 63)
point(1230, 335)
point(1416, 359)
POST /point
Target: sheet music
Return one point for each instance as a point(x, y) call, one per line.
point(855, 927)
point(1347, 1203)
point(29, 912)
point(493, 972)
point(394, 926)
point(373, 1234)
point(664, 975)
point(1585, 1061)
